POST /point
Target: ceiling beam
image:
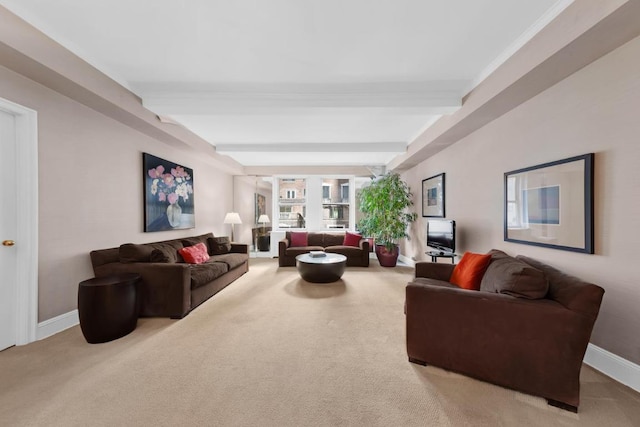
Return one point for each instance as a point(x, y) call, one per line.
point(353, 147)
point(418, 98)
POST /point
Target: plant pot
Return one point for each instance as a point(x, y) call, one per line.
point(386, 258)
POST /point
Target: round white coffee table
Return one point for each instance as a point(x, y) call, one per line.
point(325, 269)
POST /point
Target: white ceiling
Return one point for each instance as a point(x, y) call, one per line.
point(296, 82)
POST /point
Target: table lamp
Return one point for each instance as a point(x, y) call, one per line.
point(232, 218)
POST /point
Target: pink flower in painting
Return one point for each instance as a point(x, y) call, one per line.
point(170, 186)
point(168, 180)
point(156, 172)
point(173, 197)
point(179, 172)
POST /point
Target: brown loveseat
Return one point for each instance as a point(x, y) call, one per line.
point(328, 242)
point(170, 287)
point(526, 329)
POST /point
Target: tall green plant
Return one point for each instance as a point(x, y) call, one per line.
point(384, 204)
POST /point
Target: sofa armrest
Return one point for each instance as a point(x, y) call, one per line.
point(282, 247)
point(239, 248)
point(364, 245)
point(165, 289)
point(535, 346)
point(434, 270)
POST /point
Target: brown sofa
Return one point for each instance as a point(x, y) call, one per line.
point(526, 329)
point(170, 287)
point(328, 242)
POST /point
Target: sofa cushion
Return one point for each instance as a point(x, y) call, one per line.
point(131, 252)
point(191, 241)
point(299, 239)
point(348, 251)
point(507, 275)
point(433, 282)
point(352, 239)
point(293, 252)
point(201, 274)
point(164, 253)
point(176, 244)
point(232, 260)
point(219, 245)
point(315, 239)
point(330, 239)
point(196, 254)
point(469, 271)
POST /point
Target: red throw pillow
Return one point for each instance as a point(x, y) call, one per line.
point(196, 254)
point(468, 273)
point(351, 239)
point(299, 239)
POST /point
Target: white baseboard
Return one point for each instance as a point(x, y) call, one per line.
point(406, 260)
point(621, 370)
point(57, 324)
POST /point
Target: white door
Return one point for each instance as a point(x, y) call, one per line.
point(8, 226)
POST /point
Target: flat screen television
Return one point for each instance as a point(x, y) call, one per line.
point(441, 234)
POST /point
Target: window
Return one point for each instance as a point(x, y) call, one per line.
point(344, 192)
point(291, 205)
point(326, 192)
point(314, 202)
point(335, 210)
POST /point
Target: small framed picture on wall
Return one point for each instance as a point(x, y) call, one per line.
point(433, 196)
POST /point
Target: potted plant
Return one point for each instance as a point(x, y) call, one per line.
point(384, 204)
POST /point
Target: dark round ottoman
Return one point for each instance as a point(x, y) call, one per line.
point(325, 269)
point(108, 307)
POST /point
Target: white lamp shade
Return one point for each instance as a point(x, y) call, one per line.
point(263, 219)
point(232, 218)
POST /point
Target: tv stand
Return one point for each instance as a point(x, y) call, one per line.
point(441, 254)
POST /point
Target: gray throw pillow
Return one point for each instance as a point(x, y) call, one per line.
point(507, 275)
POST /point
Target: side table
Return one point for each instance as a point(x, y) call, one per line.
point(436, 254)
point(264, 243)
point(108, 307)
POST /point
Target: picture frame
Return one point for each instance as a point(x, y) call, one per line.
point(433, 196)
point(551, 205)
point(168, 195)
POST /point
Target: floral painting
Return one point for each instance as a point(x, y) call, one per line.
point(168, 194)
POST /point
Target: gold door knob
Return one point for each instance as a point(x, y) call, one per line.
point(8, 243)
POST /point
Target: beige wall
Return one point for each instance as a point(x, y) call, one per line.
point(594, 110)
point(90, 188)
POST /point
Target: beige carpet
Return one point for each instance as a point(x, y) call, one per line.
point(273, 350)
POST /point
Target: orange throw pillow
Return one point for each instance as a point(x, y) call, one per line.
point(468, 273)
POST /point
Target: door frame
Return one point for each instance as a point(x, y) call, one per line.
point(26, 140)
